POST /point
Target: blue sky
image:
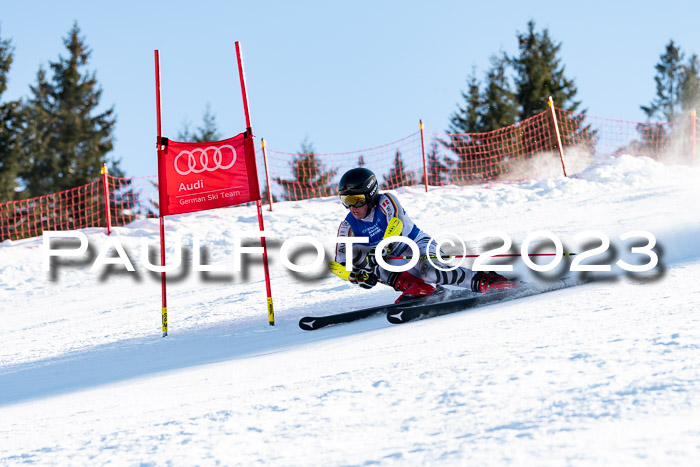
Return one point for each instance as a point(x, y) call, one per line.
point(347, 75)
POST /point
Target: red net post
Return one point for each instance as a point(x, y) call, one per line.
point(425, 164)
point(108, 219)
point(558, 135)
point(267, 174)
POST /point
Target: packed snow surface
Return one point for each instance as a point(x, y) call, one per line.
point(606, 373)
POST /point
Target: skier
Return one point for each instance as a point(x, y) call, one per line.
point(370, 215)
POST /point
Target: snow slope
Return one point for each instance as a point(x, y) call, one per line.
point(603, 374)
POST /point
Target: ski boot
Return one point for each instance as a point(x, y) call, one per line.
point(483, 281)
point(410, 285)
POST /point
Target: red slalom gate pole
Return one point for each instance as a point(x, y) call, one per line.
point(164, 309)
point(263, 243)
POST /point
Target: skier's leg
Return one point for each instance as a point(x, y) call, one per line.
point(438, 273)
point(430, 269)
point(407, 282)
point(433, 271)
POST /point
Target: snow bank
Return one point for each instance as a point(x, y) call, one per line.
point(606, 373)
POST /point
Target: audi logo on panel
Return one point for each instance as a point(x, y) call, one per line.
point(198, 160)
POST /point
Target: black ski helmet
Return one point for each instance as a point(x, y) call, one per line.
point(359, 181)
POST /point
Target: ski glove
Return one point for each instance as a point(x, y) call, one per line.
point(363, 278)
point(371, 258)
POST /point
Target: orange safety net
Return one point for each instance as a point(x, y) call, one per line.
point(667, 142)
point(526, 150)
point(300, 176)
point(132, 198)
point(447, 159)
point(81, 207)
point(523, 151)
point(71, 209)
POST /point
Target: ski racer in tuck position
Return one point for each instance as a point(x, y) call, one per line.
point(370, 215)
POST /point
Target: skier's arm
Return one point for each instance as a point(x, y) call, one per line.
point(391, 208)
point(343, 231)
point(357, 275)
point(358, 251)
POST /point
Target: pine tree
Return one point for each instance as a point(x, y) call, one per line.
point(65, 140)
point(498, 108)
point(484, 111)
point(677, 92)
point(463, 124)
point(689, 97)
point(311, 180)
point(539, 74)
point(9, 129)
point(206, 133)
point(466, 119)
point(690, 85)
point(669, 78)
point(38, 151)
point(437, 170)
point(488, 110)
point(397, 176)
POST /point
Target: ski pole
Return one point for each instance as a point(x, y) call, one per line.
point(566, 253)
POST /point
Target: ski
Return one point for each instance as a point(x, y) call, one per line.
point(399, 314)
point(311, 323)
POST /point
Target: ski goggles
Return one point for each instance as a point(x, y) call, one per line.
point(353, 200)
